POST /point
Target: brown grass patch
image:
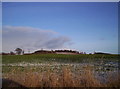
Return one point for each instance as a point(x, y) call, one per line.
point(66, 78)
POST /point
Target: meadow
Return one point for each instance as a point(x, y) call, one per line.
point(59, 70)
point(58, 58)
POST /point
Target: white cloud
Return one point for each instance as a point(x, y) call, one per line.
point(31, 38)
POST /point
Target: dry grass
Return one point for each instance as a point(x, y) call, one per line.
point(66, 78)
point(113, 81)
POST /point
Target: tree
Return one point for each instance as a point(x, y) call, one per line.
point(18, 51)
point(12, 53)
point(23, 52)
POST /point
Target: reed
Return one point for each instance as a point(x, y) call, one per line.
point(66, 78)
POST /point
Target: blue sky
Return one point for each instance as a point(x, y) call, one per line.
point(82, 26)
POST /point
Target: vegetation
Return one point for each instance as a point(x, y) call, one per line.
point(65, 78)
point(50, 74)
point(6, 59)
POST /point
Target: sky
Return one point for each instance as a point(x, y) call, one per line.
point(1, 28)
point(60, 0)
point(81, 26)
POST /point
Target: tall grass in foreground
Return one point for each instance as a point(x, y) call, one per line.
point(64, 79)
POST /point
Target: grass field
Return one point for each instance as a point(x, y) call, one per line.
point(6, 59)
point(59, 70)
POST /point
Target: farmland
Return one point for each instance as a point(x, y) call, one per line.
point(57, 58)
point(25, 69)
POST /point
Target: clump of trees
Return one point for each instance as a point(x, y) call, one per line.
point(71, 51)
point(19, 51)
point(46, 51)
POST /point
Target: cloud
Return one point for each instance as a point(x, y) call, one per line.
point(31, 38)
point(102, 38)
point(53, 43)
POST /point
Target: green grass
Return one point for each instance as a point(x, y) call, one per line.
point(42, 58)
